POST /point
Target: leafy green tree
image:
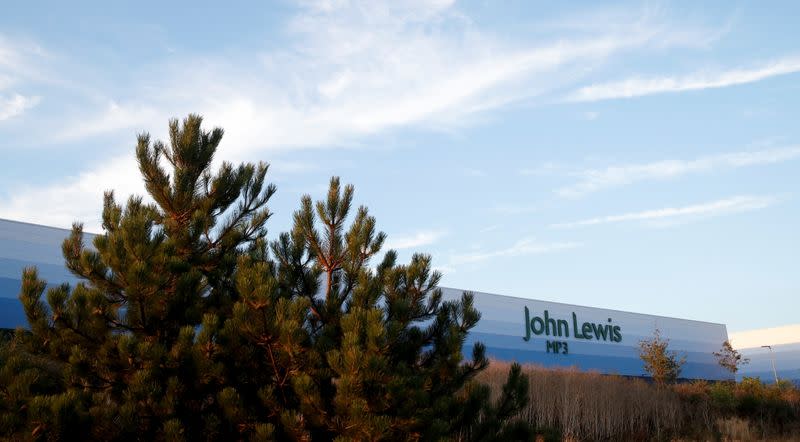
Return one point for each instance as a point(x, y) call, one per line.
point(189, 325)
point(729, 358)
point(662, 364)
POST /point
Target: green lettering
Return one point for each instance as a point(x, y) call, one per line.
point(578, 334)
point(601, 331)
point(527, 336)
point(537, 321)
point(547, 321)
point(586, 328)
point(563, 328)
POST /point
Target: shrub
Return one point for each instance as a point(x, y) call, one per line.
point(662, 364)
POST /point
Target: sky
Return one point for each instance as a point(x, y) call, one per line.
point(640, 156)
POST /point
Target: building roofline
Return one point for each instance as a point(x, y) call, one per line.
point(43, 226)
point(451, 288)
point(589, 306)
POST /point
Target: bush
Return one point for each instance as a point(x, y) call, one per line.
point(722, 397)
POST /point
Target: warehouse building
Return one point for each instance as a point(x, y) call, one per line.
point(773, 353)
point(526, 330)
point(24, 245)
point(553, 334)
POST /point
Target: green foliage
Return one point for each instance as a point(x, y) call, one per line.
point(662, 364)
point(492, 422)
point(189, 325)
point(771, 409)
point(356, 353)
point(722, 397)
point(131, 342)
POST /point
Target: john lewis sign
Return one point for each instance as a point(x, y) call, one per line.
point(556, 334)
point(549, 326)
point(559, 327)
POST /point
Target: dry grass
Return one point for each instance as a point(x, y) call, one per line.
point(589, 406)
point(734, 428)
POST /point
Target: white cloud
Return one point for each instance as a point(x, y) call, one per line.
point(640, 86)
point(526, 246)
point(80, 197)
point(114, 117)
point(15, 105)
point(14, 66)
point(726, 206)
point(418, 239)
point(352, 69)
point(594, 180)
point(9, 54)
point(77, 198)
point(348, 70)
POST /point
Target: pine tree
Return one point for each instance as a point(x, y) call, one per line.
point(359, 353)
point(132, 341)
point(189, 325)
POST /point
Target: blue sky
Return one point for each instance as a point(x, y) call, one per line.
point(636, 156)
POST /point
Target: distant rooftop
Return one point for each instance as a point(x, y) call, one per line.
point(788, 334)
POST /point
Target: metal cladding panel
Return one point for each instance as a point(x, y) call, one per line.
point(785, 356)
point(502, 327)
point(762, 347)
point(606, 341)
point(25, 245)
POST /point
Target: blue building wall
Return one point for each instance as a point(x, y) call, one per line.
point(24, 245)
point(786, 358)
point(784, 352)
point(502, 327)
point(502, 330)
